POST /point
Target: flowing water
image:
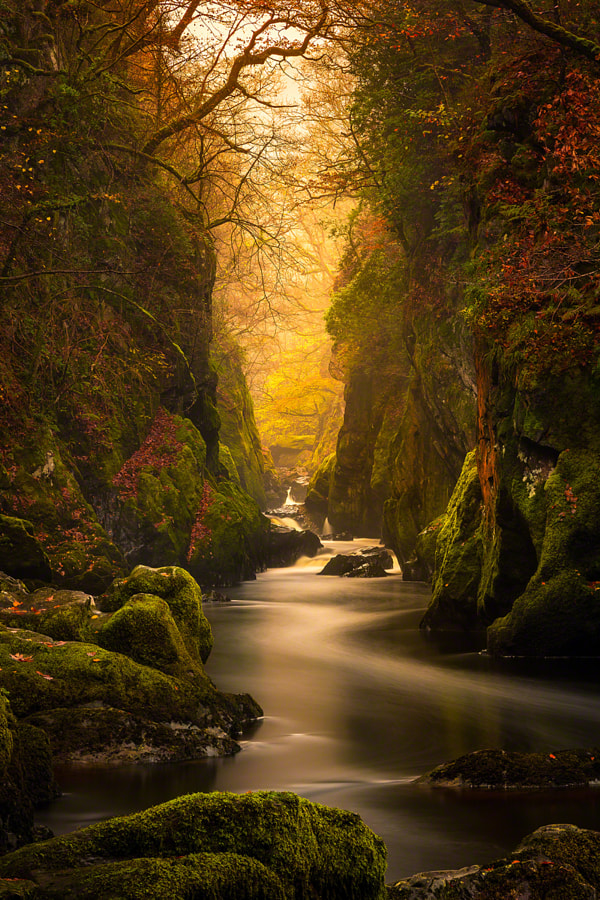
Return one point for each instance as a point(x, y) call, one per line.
point(358, 703)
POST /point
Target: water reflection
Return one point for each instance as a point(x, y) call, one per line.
point(358, 703)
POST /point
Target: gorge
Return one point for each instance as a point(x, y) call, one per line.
point(172, 225)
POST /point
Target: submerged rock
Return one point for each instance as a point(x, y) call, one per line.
point(256, 846)
point(369, 559)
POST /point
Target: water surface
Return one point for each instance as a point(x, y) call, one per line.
point(358, 703)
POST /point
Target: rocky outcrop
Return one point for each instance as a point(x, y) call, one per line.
point(119, 677)
point(238, 429)
point(518, 550)
point(352, 504)
point(255, 846)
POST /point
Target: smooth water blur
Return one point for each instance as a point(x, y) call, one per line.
point(358, 703)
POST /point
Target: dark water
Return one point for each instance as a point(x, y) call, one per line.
point(358, 703)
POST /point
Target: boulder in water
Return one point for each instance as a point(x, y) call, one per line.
point(347, 563)
point(286, 545)
point(255, 846)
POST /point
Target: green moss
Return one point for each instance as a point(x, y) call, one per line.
point(21, 554)
point(458, 556)
point(317, 495)
point(183, 596)
point(558, 612)
point(314, 851)
point(233, 542)
point(84, 674)
point(6, 734)
point(204, 876)
point(144, 629)
point(226, 460)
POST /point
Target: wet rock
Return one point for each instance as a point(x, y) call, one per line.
point(256, 846)
point(367, 570)
point(345, 563)
point(61, 614)
point(26, 777)
point(286, 545)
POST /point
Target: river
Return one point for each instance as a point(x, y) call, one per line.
point(358, 703)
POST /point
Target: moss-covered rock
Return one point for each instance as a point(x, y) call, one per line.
point(239, 431)
point(21, 554)
point(62, 614)
point(56, 684)
point(458, 557)
point(319, 486)
point(308, 850)
point(558, 612)
point(229, 538)
point(556, 861)
point(184, 599)
point(26, 777)
point(503, 770)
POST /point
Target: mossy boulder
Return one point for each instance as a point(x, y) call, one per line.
point(55, 684)
point(556, 861)
point(181, 593)
point(61, 614)
point(276, 846)
point(503, 770)
point(144, 629)
point(26, 777)
point(21, 554)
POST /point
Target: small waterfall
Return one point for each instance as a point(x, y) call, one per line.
point(327, 527)
point(288, 499)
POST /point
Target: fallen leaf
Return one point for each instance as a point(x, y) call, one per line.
point(47, 677)
point(20, 658)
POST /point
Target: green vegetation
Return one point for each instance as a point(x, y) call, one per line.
point(257, 845)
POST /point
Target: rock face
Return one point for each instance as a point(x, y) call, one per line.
point(121, 678)
point(555, 861)
point(260, 846)
point(26, 777)
point(368, 562)
point(238, 429)
point(518, 550)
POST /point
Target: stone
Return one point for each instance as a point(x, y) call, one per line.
point(286, 545)
point(21, 554)
point(344, 563)
point(256, 846)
